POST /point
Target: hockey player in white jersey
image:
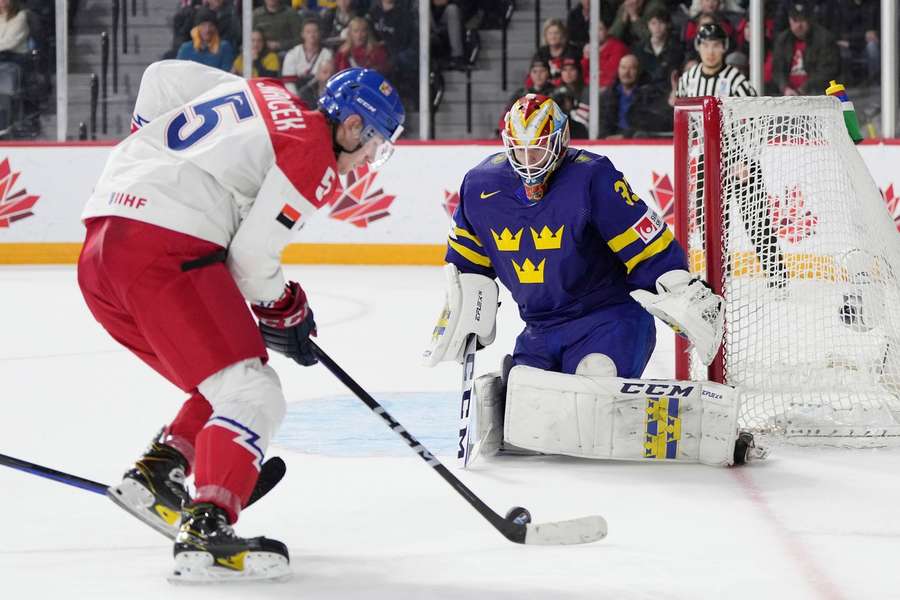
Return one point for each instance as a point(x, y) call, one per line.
point(185, 227)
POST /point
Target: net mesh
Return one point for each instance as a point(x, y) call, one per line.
point(810, 262)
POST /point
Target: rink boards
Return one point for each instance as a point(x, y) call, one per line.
point(398, 215)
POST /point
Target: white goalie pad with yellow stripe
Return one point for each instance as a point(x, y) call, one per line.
point(621, 419)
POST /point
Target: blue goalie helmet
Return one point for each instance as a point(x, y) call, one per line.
point(366, 93)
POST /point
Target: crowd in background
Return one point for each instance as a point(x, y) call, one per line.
point(645, 46)
point(25, 61)
point(305, 41)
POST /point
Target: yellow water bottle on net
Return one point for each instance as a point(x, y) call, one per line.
point(838, 91)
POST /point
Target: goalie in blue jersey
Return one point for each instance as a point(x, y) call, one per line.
point(588, 263)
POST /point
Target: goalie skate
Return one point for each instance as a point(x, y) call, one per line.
point(208, 551)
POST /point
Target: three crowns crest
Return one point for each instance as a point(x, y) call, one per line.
point(506, 241)
point(528, 272)
point(547, 239)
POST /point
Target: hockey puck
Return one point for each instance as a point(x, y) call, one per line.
point(518, 515)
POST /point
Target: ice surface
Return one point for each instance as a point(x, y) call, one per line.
point(364, 518)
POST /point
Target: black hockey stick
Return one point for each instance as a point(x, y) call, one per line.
point(271, 472)
point(517, 526)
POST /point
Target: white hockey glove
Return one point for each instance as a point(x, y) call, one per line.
point(470, 307)
point(690, 308)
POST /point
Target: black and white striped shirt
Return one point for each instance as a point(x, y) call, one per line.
point(727, 82)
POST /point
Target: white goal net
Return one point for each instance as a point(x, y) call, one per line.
point(779, 213)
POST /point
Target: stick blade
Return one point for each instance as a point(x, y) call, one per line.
point(583, 530)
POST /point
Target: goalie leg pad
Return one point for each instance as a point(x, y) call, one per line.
point(489, 401)
point(621, 419)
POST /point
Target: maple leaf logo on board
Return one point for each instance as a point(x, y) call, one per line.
point(793, 223)
point(14, 205)
point(358, 203)
point(663, 194)
point(451, 201)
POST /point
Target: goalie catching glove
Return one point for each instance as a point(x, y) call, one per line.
point(690, 308)
point(470, 307)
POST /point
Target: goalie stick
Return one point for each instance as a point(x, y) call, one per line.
point(517, 526)
point(271, 472)
point(464, 450)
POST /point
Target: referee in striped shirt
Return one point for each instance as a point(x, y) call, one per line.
point(744, 181)
point(711, 76)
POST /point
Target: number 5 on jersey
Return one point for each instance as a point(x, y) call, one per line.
point(202, 119)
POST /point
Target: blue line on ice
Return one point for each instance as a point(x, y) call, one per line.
point(344, 426)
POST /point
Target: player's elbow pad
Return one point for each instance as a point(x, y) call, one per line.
point(470, 307)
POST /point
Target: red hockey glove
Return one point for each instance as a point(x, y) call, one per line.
point(287, 323)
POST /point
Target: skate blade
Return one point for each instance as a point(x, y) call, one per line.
point(192, 568)
point(139, 502)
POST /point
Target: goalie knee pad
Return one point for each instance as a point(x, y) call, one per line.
point(470, 307)
point(596, 365)
point(622, 419)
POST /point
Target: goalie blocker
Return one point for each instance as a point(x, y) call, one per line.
point(612, 418)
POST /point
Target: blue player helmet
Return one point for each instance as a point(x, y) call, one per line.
point(536, 135)
point(366, 93)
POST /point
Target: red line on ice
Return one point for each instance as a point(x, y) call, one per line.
point(824, 587)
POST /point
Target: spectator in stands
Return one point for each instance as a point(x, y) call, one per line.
point(571, 84)
point(303, 60)
point(857, 37)
point(820, 11)
point(361, 49)
point(206, 47)
point(556, 48)
point(611, 52)
point(661, 54)
point(13, 32)
point(566, 101)
point(335, 22)
point(395, 26)
point(742, 37)
point(447, 34)
point(728, 6)
point(806, 56)
point(577, 21)
point(538, 83)
point(281, 25)
point(313, 90)
point(265, 62)
point(629, 24)
point(227, 22)
point(739, 61)
point(709, 13)
point(633, 105)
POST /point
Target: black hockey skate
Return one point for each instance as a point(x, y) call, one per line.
point(746, 450)
point(208, 551)
point(154, 490)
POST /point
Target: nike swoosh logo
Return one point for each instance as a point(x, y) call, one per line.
point(483, 195)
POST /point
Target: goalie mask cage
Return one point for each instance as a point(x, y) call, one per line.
point(777, 211)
